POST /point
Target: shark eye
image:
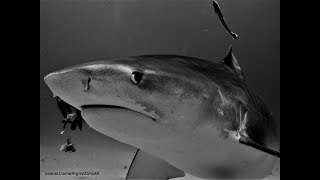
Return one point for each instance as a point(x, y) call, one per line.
point(136, 77)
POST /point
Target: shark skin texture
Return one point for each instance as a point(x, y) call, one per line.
point(189, 112)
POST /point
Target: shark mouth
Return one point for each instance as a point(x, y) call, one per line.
point(101, 106)
point(90, 106)
point(68, 111)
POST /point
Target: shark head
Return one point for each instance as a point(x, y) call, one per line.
point(184, 110)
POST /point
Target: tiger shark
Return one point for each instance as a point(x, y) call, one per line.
point(199, 116)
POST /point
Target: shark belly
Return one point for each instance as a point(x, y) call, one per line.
point(196, 152)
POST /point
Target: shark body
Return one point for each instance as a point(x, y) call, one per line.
point(190, 112)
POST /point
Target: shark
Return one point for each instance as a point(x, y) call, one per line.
point(199, 116)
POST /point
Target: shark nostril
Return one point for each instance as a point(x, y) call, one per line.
point(86, 84)
point(89, 80)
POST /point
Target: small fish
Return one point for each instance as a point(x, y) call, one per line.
point(71, 115)
point(77, 121)
point(68, 147)
point(218, 11)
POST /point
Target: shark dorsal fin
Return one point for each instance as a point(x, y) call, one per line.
point(231, 61)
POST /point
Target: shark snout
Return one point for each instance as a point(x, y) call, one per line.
point(69, 84)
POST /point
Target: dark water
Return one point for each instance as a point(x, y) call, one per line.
point(74, 31)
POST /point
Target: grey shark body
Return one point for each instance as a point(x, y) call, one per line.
point(187, 111)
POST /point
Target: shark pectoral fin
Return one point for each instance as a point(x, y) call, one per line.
point(253, 135)
point(146, 166)
point(231, 61)
point(249, 142)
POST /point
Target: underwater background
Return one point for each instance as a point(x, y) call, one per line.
point(79, 31)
